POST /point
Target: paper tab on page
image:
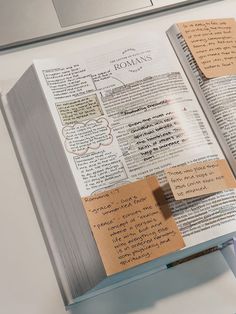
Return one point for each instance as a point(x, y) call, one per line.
point(200, 178)
point(212, 44)
point(132, 225)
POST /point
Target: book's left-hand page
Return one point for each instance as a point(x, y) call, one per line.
point(97, 98)
point(125, 111)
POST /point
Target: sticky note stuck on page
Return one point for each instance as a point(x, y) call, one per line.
point(200, 179)
point(212, 44)
point(130, 226)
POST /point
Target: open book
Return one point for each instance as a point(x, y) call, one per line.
point(95, 133)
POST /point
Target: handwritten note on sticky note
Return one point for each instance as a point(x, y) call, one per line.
point(130, 227)
point(212, 44)
point(200, 179)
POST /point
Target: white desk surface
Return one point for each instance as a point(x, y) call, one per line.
point(27, 282)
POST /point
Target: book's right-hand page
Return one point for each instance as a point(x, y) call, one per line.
point(125, 111)
point(217, 95)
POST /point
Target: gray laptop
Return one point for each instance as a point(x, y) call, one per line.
point(23, 21)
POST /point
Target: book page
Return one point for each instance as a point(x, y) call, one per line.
point(125, 111)
point(132, 225)
point(220, 94)
point(217, 96)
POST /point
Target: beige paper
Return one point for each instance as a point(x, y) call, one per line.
point(130, 227)
point(212, 44)
point(200, 179)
